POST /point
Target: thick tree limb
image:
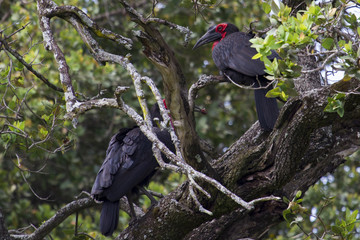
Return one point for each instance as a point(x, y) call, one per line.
point(69, 209)
point(258, 165)
point(58, 218)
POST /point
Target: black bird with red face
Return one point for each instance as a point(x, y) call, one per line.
point(232, 54)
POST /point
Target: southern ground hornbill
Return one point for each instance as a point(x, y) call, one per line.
point(128, 166)
point(232, 54)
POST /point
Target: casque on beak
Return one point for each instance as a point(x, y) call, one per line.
point(210, 36)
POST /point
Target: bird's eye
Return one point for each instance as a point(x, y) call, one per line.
point(220, 28)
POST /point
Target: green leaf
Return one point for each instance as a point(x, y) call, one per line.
point(18, 125)
point(47, 118)
point(354, 215)
point(12, 104)
point(43, 132)
point(273, 93)
point(339, 96)
point(19, 66)
point(285, 199)
point(336, 104)
point(350, 236)
point(18, 81)
point(8, 139)
point(350, 218)
point(343, 223)
point(350, 227)
point(340, 111)
point(328, 43)
point(266, 7)
point(273, 21)
point(286, 212)
point(353, 18)
point(256, 56)
point(341, 43)
point(286, 11)
point(3, 74)
point(274, 7)
point(22, 125)
point(348, 46)
point(337, 230)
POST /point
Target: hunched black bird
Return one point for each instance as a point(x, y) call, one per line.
point(232, 54)
point(128, 166)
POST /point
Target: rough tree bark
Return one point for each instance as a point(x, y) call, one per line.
point(306, 144)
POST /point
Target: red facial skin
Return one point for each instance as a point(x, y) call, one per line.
point(220, 28)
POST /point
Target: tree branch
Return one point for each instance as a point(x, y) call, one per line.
point(58, 218)
point(28, 66)
point(181, 29)
point(86, 21)
point(260, 164)
point(51, 44)
point(203, 81)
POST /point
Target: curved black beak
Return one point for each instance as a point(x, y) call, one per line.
point(210, 36)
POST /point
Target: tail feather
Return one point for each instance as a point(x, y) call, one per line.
point(266, 108)
point(109, 217)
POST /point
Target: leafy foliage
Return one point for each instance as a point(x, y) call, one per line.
point(336, 104)
point(315, 27)
point(326, 210)
point(296, 214)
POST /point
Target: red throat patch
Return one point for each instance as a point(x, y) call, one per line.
point(214, 44)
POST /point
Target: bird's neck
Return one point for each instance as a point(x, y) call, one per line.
point(214, 44)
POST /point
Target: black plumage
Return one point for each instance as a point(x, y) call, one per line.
point(129, 164)
point(232, 54)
